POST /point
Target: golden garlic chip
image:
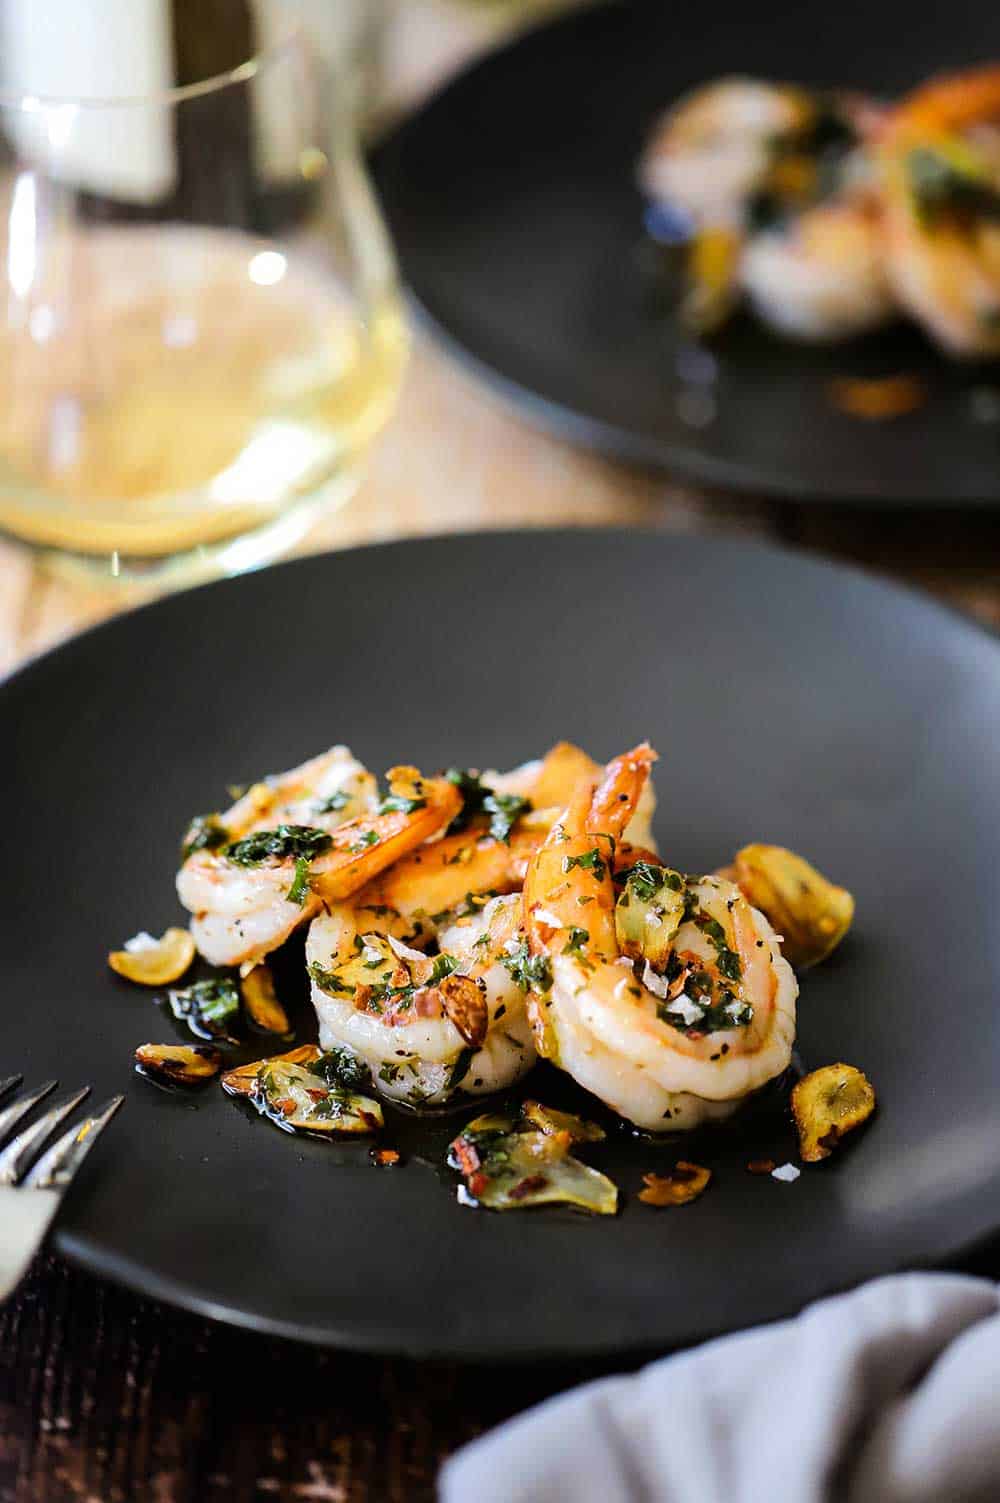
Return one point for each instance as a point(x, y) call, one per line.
point(179, 1064)
point(261, 1002)
point(809, 912)
point(154, 962)
point(826, 1105)
point(684, 1183)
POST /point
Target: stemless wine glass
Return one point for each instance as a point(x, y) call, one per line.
point(203, 329)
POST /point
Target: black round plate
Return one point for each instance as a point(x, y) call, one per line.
point(790, 700)
point(512, 200)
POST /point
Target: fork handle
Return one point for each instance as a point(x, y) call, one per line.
point(24, 1221)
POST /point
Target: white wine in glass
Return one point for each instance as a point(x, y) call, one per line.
point(203, 327)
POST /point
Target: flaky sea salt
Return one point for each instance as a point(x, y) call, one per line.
point(787, 1173)
point(543, 916)
point(141, 941)
point(689, 1012)
point(398, 948)
point(658, 985)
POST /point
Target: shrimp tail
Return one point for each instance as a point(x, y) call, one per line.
point(615, 797)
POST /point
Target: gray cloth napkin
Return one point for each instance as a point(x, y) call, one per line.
point(890, 1394)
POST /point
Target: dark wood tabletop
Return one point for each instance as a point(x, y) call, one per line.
point(108, 1398)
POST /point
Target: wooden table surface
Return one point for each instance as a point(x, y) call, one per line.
point(106, 1398)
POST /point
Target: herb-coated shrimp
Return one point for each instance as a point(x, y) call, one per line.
point(250, 888)
point(670, 1006)
point(820, 275)
point(554, 782)
point(712, 150)
point(428, 1025)
point(439, 942)
point(941, 159)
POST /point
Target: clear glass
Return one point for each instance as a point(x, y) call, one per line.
point(203, 329)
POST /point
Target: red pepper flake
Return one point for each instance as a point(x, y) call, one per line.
point(385, 1157)
point(528, 1186)
point(315, 1095)
point(760, 1166)
point(468, 1159)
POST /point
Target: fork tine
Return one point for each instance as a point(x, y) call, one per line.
point(10, 1084)
point(58, 1164)
point(21, 1150)
point(12, 1115)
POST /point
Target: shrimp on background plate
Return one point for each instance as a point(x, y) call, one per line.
point(941, 159)
point(773, 189)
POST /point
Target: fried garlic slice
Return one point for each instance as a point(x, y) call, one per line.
point(154, 962)
point(810, 912)
point(827, 1104)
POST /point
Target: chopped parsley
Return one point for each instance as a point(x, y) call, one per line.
point(644, 880)
point(444, 965)
point(576, 941)
point(479, 798)
point(278, 844)
point(727, 960)
point(504, 809)
point(365, 841)
point(341, 1067)
point(207, 1007)
point(333, 803)
point(300, 884)
point(529, 971)
point(329, 981)
point(730, 1014)
point(942, 188)
point(591, 861)
point(398, 803)
point(460, 1068)
point(206, 833)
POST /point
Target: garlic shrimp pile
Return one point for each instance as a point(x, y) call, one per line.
point(423, 973)
point(671, 1003)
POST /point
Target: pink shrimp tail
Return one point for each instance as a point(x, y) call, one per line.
point(608, 807)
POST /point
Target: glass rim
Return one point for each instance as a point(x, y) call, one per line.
point(27, 102)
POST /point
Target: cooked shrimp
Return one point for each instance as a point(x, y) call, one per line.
point(555, 781)
point(458, 896)
point(820, 275)
point(941, 159)
point(711, 1015)
point(250, 887)
point(713, 149)
point(777, 187)
point(428, 1025)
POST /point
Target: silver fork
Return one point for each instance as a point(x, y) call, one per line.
point(30, 1196)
